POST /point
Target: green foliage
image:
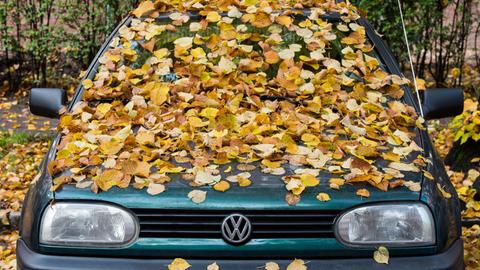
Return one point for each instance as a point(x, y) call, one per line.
point(7, 139)
point(43, 42)
point(467, 125)
point(437, 30)
point(88, 23)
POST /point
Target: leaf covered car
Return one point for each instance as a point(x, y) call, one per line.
point(241, 135)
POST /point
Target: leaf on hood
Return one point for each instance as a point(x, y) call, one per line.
point(197, 196)
point(108, 179)
point(404, 167)
point(155, 189)
point(222, 186)
point(323, 197)
point(363, 193)
point(413, 186)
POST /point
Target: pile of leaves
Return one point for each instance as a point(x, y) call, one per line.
point(467, 125)
point(20, 155)
point(254, 84)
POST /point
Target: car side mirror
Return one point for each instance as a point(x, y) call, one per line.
point(442, 102)
point(47, 101)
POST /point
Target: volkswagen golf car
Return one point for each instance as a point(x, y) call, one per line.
point(241, 134)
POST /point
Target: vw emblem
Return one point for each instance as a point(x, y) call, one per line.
point(236, 229)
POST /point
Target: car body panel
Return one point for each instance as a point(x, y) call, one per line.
point(258, 196)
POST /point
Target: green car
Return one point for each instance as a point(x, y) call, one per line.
point(245, 227)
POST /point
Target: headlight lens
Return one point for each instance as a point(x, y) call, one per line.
point(87, 225)
point(406, 224)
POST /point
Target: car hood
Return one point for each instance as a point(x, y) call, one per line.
point(266, 192)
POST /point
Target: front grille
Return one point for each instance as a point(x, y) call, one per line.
point(157, 223)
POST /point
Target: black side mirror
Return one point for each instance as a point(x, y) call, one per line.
point(442, 102)
point(47, 101)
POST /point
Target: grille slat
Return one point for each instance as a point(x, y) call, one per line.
point(157, 223)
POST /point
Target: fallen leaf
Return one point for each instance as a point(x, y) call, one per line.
point(144, 8)
point(213, 266)
point(363, 193)
point(445, 194)
point(297, 264)
point(179, 264)
point(155, 189)
point(323, 197)
point(222, 186)
point(381, 255)
point(197, 196)
point(272, 266)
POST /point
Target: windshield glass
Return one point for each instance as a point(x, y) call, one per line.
point(190, 94)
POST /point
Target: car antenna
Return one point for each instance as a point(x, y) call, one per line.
point(410, 59)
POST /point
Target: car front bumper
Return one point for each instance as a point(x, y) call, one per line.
point(451, 259)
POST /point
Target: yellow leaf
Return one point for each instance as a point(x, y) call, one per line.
point(198, 53)
point(309, 180)
point(213, 16)
point(87, 84)
point(381, 255)
point(111, 147)
point(144, 8)
point(103, 108)
point(222, 186)
point(310, 139)
point(160, 54)
point(159, 94)
point(179, 264)
point(363, 193)
point(142, 169)
point(108, 179)
point(243, 182)
point(145, 137)
point(323, 197)
point(445, 194)
point(270, 164)
point(197, 122)
point(209, 113)
point(336, 183)
point(297, 264)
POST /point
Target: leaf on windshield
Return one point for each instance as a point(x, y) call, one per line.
point(252, 86)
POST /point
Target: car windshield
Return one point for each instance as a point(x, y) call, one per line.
point(188, 93)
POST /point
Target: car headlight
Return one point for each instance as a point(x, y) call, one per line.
point(399, 224)
point(87, 225)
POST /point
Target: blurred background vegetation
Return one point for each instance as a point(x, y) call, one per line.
point(47, 42)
